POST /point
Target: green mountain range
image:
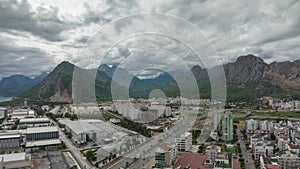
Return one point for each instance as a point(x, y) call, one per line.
point(247, 78)
point(16, 84)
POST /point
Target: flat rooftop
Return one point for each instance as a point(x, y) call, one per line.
point(9, 136)
point(29, 120)
point(191, 160)
point(41, 129)
point(23, 111)
point(43, 143)
point(13, 157)
point(79, 127)
point(3, 108)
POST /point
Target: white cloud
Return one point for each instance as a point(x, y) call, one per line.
point(52, 31)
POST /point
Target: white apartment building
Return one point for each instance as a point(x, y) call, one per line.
point(288, 160)
point(3, 112)
point(251, 124)
point(211, 153)
point(265, 125)
point(294, 148)
point(262, 149)
point(223, 162)
point(184, 142)
point(297, 105)
point(283, 142)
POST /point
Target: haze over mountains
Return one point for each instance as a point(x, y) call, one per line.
point(14, 85)
point(247, 78)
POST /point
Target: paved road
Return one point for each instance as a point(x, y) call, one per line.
point(74, 150)
point(240, 116)
point(249, 164)
point(148, 148)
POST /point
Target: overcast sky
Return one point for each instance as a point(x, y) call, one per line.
point(35, 36)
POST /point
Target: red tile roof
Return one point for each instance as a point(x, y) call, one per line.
point(193, 160)
point(294, 146)
point(281, 131)
point(258, 131)
point(271, 166)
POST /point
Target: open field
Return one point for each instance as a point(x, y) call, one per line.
point(291, 114)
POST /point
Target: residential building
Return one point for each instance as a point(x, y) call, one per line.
point(211, 153)
point(3, 112)
point(251, 125)
point(297, 105)
point(167, 112)
point(259, 138)
point(165, 156)
point(265, 125)
point(294, 148)
point(217, 118)
point(283, 142)
point(281, 132)
point(272, 166)
point(227, 127)
point(288, 160)
point(184, 142)
point(45, 108)
point(223, 161)
point(260, 133)
point(268, 163)
point(262, 149)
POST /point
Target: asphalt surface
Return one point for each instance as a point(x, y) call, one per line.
point(249, 164)
point(148, 148)
point(74, 150)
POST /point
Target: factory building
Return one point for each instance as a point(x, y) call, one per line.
point(10, 140)
point(22, 113)
point(41, 133)
point(30, 122)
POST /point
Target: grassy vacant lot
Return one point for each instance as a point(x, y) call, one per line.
point(291, 114)
point(238, 112)
point(240, 123)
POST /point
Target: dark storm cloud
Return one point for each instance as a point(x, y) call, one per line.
point(21, 60)
point(115, 10)
point(15, 15)
point(234, 26)
point(35, 37)
point(124, 52)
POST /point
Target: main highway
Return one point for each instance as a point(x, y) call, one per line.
point(147, 149)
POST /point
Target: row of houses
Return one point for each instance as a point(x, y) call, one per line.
point(277, 146)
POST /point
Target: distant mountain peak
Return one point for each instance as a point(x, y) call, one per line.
point(15, 84)
point(250, 71)
point(249, 58)
point(108, 70)
point(41, 76)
